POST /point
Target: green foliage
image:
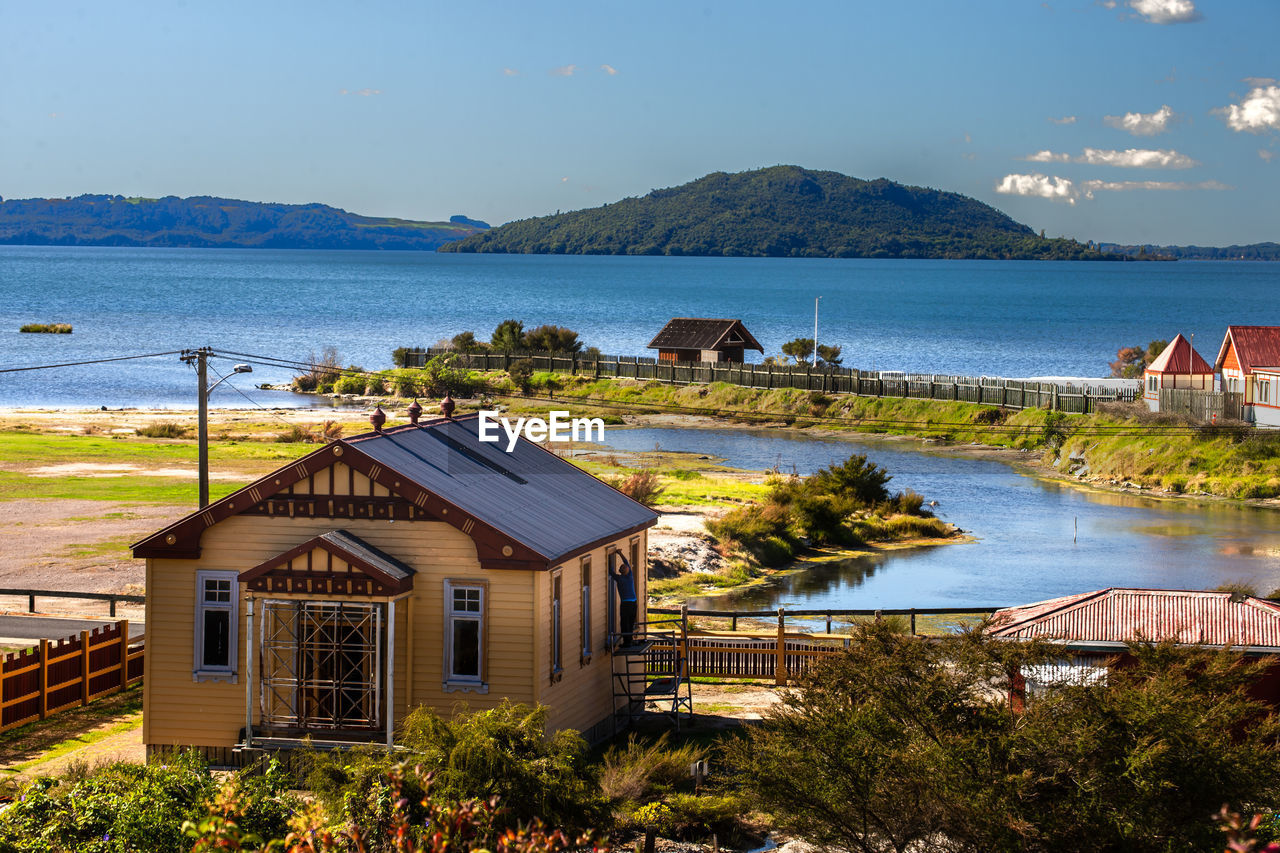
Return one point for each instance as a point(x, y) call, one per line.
point(321, 373)
point(508, 336)
point(376, 385)
point(899, 740)
point(501, 752)
point(521, 373)
point(128, 807)
point(800, 349)
point(552, 339)
point(783, 211)
point(1053, 433)
point(443, 376)
point(466, 342)
point(641, 770)
point(641, 486)
point(47, 328)
point(830, 355)
point(400, 356)
point(352, 381)
point(1132, 361)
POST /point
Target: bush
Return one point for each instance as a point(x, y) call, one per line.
point(351, 382)
point(521, 373)
point(639, 770)
point(552, 339)
point(376, 385)
point(165, 429)
point(47, 328)
point(321, 373)
point(642, 486)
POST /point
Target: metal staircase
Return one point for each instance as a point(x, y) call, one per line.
point(651, 673)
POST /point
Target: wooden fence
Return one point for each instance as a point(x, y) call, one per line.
point(992, 391)
point(112, 598)
point(68, 673)
point(1206, 406)
point(779, 654)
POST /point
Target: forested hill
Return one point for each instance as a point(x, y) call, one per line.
point(1251, 252)
point(782, 211)
point(206, 222)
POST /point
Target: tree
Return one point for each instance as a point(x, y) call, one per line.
point(508, 336)
point(902, 742)
point(466, 342)
point(801, 349)
point(829, 355)
point(552, 339)
point(1132, 361)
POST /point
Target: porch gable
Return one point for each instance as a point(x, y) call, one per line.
point(332, 564)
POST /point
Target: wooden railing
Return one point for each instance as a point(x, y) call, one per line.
point(59, 674)
point(780, 654)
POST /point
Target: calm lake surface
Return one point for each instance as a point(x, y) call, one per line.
point(1035, 539)
point(1008, 318)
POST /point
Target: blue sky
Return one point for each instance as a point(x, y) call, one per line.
point(1151, 121)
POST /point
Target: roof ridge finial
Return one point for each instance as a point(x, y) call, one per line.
point(378, 418)
point(447, 405)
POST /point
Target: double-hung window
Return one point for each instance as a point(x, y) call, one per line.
point(217, 606)
point(464, 605)
point(557, 655)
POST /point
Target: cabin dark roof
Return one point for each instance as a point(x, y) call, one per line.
point(703, 333)
point(524, 509)
point(530, 494)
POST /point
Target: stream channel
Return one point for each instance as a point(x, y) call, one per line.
point(1035, 538)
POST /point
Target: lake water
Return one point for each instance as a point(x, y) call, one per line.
point(1036, 539)
point(1007, 318)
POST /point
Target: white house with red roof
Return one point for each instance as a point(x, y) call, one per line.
point(1178, 366)
point(1249, 361)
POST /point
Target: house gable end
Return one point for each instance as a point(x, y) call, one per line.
point(335, 563)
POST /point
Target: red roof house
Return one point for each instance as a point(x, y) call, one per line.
point(1249, 361)
point(1178, 366)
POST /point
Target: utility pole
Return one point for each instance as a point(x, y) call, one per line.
point(815, 330)
point(201, 359)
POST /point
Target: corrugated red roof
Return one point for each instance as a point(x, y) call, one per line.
point(1180, 357)
point(1120, 615)
point(1255, 346)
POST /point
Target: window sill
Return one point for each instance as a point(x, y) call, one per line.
point(228, 677)
point(557, 674)
point(464, 687)
point(586, 659)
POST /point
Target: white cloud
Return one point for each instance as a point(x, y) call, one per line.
point(510, 72)
point(1130, 158)
point(1143, 124)
point(1063, 120)
point(1055, 188)
point(1166, 11)
point(563, 71)
point(609, 69)
point(363, 93)
point(1041, 186)
point(1257, 111)
point(1267, 156)
point(1107, 4)
point(564, 180)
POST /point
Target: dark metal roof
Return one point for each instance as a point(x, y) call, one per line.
point(362, 553)
point(377, 565)
point(703, 333)
point(1255, 346)
point(529, 494)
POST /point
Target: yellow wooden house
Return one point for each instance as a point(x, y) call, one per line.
point(413, 565)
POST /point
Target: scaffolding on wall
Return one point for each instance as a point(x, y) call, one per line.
point(651, 672)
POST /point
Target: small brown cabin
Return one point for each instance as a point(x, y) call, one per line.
point(413, 565)
point(702, 339)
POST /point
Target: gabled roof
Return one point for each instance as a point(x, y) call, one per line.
point(1180, 357)
point(376, 573)
point(526, 509)
point(1112, 616)
point(1255, 346)
point(703, 333)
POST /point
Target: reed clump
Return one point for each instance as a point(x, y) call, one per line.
point(47, 328)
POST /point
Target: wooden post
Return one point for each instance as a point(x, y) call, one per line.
point(84, 668)
point(113, 606)
point(123, 625)
point(780, 666)
point(913, 621)
point(44, 679)
point(683, 667)
point(31, 603)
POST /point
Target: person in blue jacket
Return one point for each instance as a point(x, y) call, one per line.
point(625, 582)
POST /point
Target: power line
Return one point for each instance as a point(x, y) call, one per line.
point(91, 361)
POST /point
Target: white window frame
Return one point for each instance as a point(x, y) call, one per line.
point(200, 671)
point(466, 683)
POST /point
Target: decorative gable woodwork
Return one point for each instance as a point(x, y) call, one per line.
point(335, 564)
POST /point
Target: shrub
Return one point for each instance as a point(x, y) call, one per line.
point(351, 382)
point(640, 770)
point(165, 429)
point(466, 342)
point(697, 816)
point(442, 376)
point(642, 486)
point(552, 339)
point(400, 356)
point(321, 372)
point(521, 373)
point(508, 336)
point(47, 328)
point(406, 383)
point(376, 385)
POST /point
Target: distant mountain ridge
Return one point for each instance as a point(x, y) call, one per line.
point(209, 222)
point(784, 211)
point(1251, 252)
